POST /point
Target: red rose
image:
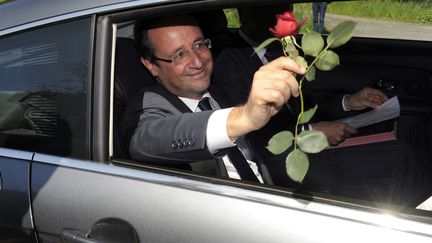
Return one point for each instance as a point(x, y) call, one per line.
point(286, 25)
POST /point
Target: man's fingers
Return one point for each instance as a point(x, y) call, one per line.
point(285, 63)
point(289, 67)
point(350, 130)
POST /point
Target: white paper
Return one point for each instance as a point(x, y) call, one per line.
point(426, 205)
point(388, 110)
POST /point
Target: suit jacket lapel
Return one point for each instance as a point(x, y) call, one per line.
point(173, 99)
point(218, 167)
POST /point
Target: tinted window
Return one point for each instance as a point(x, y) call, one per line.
point(43, 89)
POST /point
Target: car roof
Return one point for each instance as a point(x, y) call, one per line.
point(16, 13)
point(19, 12)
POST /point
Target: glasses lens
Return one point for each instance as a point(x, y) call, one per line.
point(199, 47)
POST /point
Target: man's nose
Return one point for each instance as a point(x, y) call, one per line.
point(196, 60)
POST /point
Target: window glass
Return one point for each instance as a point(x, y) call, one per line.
point(43, 89)
point(403, 20)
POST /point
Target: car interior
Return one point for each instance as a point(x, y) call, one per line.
point(411, 82)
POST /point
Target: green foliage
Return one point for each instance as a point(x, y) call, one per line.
point(280, 142)
point(307, 115)
point(327, 60)
point(310, 75)
point(312, 141)
point(419, 12)
point(313, 44)
point(265, 43)
point(297, 165)
point(232, 17)
point(341, 34)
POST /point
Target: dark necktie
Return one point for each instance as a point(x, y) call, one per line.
point(234, 154)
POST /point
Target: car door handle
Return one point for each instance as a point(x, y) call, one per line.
point(107, 230)
point(76, 236)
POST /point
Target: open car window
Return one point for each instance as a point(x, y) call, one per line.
point(410, 82)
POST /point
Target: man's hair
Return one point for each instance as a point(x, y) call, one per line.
point(142, 43)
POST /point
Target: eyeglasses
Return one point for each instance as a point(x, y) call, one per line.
point(182, 56)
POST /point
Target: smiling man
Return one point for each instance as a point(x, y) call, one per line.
point(162, 122)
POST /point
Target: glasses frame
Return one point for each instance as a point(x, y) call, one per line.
point(207, 43)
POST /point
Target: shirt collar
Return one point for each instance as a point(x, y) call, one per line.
point(192, 103)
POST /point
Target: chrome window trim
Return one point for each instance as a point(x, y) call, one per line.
point(111, 108)
point(82, 13)
point(354, 213)
point(16, 154)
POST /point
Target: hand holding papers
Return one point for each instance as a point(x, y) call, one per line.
point(387, 111)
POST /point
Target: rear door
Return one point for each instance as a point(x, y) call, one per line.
point(15, 217)
point(44, 75)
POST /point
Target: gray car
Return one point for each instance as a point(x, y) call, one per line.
point(63, 174)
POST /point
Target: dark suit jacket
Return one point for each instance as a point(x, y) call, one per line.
point(163, 130)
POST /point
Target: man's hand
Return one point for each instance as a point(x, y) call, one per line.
point(272, 86)
point(367, 97)
point(336, 132)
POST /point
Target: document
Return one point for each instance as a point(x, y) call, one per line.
point(426, 205)
point(389, 110)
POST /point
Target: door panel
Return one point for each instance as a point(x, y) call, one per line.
point(77, 195)
point(15, 220)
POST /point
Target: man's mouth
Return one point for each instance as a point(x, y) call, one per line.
point(198, 73)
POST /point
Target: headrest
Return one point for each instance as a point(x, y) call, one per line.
point(130, 73)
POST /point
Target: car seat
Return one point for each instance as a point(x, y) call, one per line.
point(129, 76)
point(214, 26)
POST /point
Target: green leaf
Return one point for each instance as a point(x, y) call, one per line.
point(307, 115)
point(297, 165)
point(312, 43)
point(280, 142)
point(289, 48)
point(341, 34)
point(312, 141)
point(327, 61)
point(310, 75)
point(264, 44)
point(300, 60)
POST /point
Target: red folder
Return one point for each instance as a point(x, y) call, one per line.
point(372, 138)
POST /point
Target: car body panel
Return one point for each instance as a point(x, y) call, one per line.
point(15, 211)
point(174, 209)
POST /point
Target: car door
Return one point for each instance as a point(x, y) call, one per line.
point(43, 103)
point(15, 222)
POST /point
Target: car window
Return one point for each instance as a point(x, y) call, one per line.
point(43, 89)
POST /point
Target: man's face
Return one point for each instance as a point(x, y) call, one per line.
point(190, 78)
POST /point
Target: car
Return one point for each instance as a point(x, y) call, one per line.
point(64, 176)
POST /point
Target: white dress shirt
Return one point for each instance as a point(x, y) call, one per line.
point(217, 135)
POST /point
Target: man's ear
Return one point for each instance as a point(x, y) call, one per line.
point(150, 66)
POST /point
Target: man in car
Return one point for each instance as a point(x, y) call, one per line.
point(167, 123)
point(159, 122)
